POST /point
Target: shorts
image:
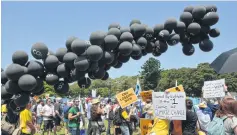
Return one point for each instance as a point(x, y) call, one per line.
point(39, 120)
point(57, 121)
point(48, 124)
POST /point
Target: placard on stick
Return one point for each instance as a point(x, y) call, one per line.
point(146, 95)
point(169, 105)
point(145, 126)
point(126, 98)
point(212, 89)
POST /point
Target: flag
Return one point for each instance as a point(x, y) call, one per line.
point(138, 88)
point(80, 104)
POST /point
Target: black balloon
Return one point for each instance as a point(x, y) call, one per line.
point(195, 39)
point(81, 63)
point(123, 59)
point(106, 76)
point(205, 29)
point(14, 107)
point(149, 33)
point(69, 42)
point(115, 62)
point(198, 12)
point(93, 66)
point(107, 67)
point(125, 29)
point(134, 21)
point(194, 28)
point(62, 71)
point(108, 57)
point(94, 53)
point(27, 82)
point(97, 38)
point(186, 17)
point(188, 50)
point(206, 45)
point(40, 92)
point(210, 18)
point(3, 77)
point(136, 50)
point(211, 8)
point(14, 72)
point(118, 65)
point(114, 31)
point(142, 42)
point(138, 30)
point(51, 62)
point(111, 42)
point(144, 53)
point(137, 57)
point(61, 87)
point(180, 28)
point(214, 32)
point(170, 24)
point(20, 57)
point(125, 48)
point(4, 94)
point(188, 9)
point(79, 46)
point(161, 46)
point(39, 51)
point(12, 87)
point(69, 58)
point(114, 25)
point(39, 87)
point(84, 83)
point(173, 39)
point(99, 73)
point(77, 75)
point(164, 34)
point(22, 99)
point(149, 47)
point(126, 36)
point(184, 38)
point(60, 53)
point(157, 29)
point(156, 53)
point(51, 79)
point(35, 68)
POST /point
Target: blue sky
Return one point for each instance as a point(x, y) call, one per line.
point(24, 23)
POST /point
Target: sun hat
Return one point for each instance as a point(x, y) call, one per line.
point(95, 101)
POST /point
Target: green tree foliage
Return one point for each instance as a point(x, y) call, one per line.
point(150, 74)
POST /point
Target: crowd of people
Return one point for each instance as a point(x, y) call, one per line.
point(79, 117)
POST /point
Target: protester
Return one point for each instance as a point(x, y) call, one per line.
point(39, 117)
point(66, 108)
point(108, 109)
point(48, 114)
point(148, 109)
point(134, 116)
point(74, 118)
point(58, 117)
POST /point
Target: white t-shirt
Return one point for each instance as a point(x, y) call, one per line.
point(107, 110)
point(39, 109)
point(48, 110)
point(230, 124)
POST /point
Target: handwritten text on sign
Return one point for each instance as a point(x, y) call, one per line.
point(126, 98)
point(146, 95)
point(212, 89)
point(145, 126)
point(169, 105)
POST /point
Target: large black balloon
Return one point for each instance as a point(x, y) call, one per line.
point(195, 39)
point(77, 75)
point(211, 8)
point(27, 82)
point(156, 53)
point(69, 42)
point(170, 24)
point(111, 42)
point(114, 31)
point(126, 36)
point(206, 45)
point(108, 57)
point(94, 53)
point(186, 17)
point(188, 50)
point(123, 59)
point(214, 32)
point(79, 46)
point(97, 38)
point(106, 76)
point(61, 87)
point(51, 79)
point(205, 29)
point(194, 28)
point(39, 87)
point(149, 47)
point(173, 39)
point(20, 57)
point(161, 46)
point(81, 63)
point(93, 66)
point(40, 92)
point(118, 65)
point(84, 83)
point(14, 72)
point(164, 34)
point(39, 51)
point(22, 99)
point(114, 25)
point(60, 53)
point(4, 94)
point(157, 29)
point(198, 12)
point(35, 68)
point(125, 29)
point(142, 42)
point(134, 21)
point(12, 87)
point(99, 73)
point(210, 18)
point(107, 67)
point(51, 62)
point(138, 30)
point(125, 48)
point(149, 33)
point(3, 77)
point(115, 61)
point(184, 38)
point(188, 9)
point(137, 57)
point(13, 107)
point(180, 27)
point(69, 58)
point(62, 71)
point(136, 50)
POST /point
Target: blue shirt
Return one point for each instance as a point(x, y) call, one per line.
point(65, 109)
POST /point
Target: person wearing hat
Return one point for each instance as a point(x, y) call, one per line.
point(74, 118)
point(148, 109)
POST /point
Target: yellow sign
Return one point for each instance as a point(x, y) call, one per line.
point(145, 126)
point(176, 89)
point(126, 98)
point(146, 95)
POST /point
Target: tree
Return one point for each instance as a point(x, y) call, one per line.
point(150, 74)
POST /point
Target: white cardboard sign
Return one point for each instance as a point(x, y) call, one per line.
point(213, 89)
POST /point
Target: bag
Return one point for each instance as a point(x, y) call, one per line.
point(101, 126)
point(66, 113)
point(117, 120)
point(216, 127)
point(111, 115)
point(6, 126)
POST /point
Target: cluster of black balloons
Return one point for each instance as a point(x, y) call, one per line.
point(83, 60)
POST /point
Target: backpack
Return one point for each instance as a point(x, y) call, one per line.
point(216, 127)
point(66, 113)
point(117, 119)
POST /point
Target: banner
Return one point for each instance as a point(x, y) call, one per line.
point(169, 105)
point(145, 126)
point(93, 93)
point(212, 89)
point(126, 98)
point(146, 95)
point(138, 88)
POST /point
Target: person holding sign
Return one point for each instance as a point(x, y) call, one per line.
point(148, 109)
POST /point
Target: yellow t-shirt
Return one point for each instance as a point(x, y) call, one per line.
point(160, 127)
point(25, 116)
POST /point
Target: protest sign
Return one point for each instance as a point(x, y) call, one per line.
point(169, 105)
point(93, 93)
point(212, 89)
point(146, 95)
point(145, 126)
point(176, 89)
point(126, 98)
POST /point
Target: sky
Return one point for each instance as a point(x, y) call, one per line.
point(25, 23)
